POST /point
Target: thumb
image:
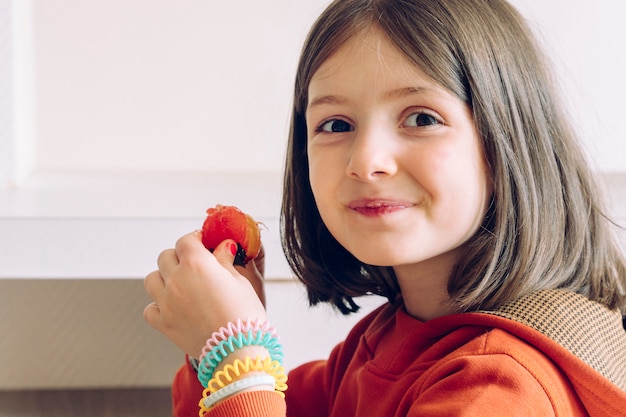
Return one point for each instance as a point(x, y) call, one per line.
point(225, 253)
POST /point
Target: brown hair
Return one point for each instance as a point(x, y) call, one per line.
point(544, 227)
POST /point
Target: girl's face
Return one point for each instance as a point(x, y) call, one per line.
point(396, 164)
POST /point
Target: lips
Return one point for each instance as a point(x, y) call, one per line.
point(375, 207)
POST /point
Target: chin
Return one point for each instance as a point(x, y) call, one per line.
point(379, 259)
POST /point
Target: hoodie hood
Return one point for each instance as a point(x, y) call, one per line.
point(585, 339)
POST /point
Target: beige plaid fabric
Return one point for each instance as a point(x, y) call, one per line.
point(587, 329)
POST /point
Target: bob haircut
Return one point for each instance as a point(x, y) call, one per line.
point(544, 228)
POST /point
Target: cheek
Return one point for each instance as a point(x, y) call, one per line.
point(479, 192)
point(436, 171)
point(461, 180)
point(440, 162)
point(314, 168)
point(318, 171)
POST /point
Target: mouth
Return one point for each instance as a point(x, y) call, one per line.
point(375, 207)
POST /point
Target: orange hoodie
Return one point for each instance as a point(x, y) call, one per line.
point(552, 353)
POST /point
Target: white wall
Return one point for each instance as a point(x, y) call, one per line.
point(161, 85)
point(139, 115)
point(585, 41)
point(206, 85)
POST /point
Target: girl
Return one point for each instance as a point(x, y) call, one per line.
point(430, 162)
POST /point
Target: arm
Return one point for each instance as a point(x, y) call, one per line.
point(308, 390)
point(196, 292)
point(187, 391)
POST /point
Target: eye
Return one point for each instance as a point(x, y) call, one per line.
point(335, 126)
point(421, 119)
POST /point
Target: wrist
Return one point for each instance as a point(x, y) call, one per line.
point(243, 356)
point(249, 338)
point(253, 352)
point(246, 384)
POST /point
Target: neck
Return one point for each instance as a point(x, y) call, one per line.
point(424, 287)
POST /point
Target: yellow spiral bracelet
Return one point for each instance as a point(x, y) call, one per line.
point(232, 372)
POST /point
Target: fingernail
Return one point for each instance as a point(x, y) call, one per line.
point(232, 246)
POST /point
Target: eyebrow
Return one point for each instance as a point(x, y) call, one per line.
point(389, 95)
point(407, 91)
point(329, 99)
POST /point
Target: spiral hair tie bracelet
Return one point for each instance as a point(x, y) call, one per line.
point(210, 362)
point(240, 374)
point(232, 329)
point(236, 387)
point(234, 371)
point(234, 337)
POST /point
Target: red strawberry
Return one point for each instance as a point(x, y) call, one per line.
point(228, 222)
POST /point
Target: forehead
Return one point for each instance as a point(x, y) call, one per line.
point(368, 46)
point(368, 62)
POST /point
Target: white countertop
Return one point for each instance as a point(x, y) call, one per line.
point(114, 225)
point(99, 225)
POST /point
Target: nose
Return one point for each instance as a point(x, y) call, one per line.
point(371, 155)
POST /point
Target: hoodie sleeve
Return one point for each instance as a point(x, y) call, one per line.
point(187, 393)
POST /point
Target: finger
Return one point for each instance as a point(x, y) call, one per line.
point(259, 261)
point(254, 276)
point(254, 271)
point(190, 245)
point(167, 261)
point(152, 315)
point(225, 254)
point(154, 285)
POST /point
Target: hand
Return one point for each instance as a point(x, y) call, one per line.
point(196, 292)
